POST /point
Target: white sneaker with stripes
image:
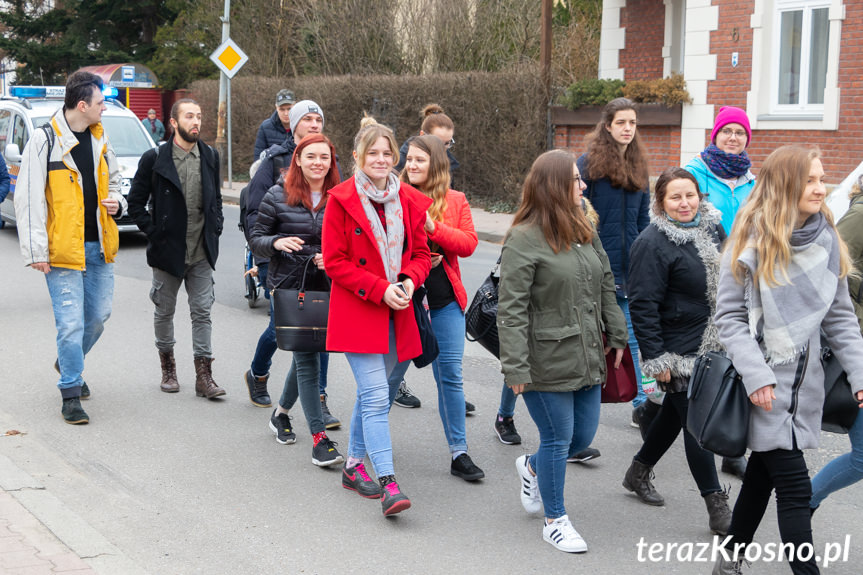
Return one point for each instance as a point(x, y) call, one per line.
point(563, 536)
point(530, 498)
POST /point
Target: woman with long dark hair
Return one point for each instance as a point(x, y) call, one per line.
point(376, 253)
point(782, 283)
point(616, 175)
point(288, 233)
point(556, 298)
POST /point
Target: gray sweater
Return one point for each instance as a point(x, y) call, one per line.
point(789, 418)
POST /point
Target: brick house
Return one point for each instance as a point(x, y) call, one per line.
point(795, 66)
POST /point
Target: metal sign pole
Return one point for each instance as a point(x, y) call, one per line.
point(230, 140)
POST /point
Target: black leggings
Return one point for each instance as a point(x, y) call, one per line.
point(663, 432)
point(785, 470)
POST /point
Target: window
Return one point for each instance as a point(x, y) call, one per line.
point(795, 64)
point(803, 31)
point(4, 129)
point(19, 132)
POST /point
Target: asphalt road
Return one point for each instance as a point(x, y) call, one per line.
point(184, 485)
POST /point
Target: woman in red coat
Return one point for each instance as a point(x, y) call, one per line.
point(449, 226)
point(375, 253)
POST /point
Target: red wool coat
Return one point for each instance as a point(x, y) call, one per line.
point(359, 319)
point(457, 238)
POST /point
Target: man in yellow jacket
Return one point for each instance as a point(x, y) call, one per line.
point(66, 198)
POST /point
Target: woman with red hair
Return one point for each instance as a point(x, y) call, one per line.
point(288, 232)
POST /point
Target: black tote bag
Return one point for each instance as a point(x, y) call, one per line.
point(301, 316)
point(840, 405)
point(718, 415)
point(427, 336)
point(481, 316)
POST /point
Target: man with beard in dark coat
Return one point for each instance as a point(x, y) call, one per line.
point(176, 200)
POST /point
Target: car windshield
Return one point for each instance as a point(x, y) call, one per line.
point(125, 134)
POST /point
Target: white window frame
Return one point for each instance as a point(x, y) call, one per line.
point(763, 106)
point(807, 7)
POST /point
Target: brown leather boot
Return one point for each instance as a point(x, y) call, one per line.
point(169, 372)
point(204, 384)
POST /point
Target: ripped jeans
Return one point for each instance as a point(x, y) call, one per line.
point(82, 304)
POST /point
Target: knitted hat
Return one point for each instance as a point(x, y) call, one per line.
point(731, 115)
point(302, 108)
point(285, 97)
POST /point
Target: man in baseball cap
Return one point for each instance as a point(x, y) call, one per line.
point(275, 129)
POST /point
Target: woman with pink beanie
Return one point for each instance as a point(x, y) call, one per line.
point(723, 168)
point(724, 177)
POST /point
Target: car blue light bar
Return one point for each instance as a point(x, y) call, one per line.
point(53, 92)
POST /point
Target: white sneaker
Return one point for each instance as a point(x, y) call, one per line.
point(530, 499)
point(563, 536)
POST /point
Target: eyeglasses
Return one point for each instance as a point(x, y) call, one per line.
point(450, 145)
point(728, 132)
point(577, 179)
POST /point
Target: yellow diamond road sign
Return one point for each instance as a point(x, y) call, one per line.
point(229, 58)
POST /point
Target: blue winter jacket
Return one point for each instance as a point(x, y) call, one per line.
point(622, 216)
point(271, 133)
point(718, 193)
point(4, 180)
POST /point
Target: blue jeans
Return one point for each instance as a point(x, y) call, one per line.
point(633, 348)
point(302, 382)
point(507, 402)
point(448, 326)
point(843, 471)
point(267, 347)
point(82, 304)
point(562, 419)
point(370, 425)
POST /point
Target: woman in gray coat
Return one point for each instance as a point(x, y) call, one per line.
point(783, 281)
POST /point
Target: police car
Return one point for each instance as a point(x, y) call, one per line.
point(28, 107)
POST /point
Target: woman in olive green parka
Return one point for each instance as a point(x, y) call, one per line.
point(556, 299)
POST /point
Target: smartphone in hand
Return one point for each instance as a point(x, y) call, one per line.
point(401, 286)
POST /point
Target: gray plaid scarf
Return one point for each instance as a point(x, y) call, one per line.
point(389, 239)
point(788, 314)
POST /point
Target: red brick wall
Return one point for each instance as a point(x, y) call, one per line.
point(842, 148)
point(662, 143)
point(644, 21)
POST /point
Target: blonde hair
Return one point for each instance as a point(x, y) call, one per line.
point(437, 183)
point(770, 214)
point(370, 132)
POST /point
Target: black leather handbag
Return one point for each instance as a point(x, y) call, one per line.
point(718, 415)
point(301, 316)
point(481, 317)
point(427, 335)
point(840, 405)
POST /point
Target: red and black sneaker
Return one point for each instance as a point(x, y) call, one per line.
point(356, 479)
point(392, 500)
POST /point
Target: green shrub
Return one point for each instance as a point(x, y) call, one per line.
point(592, 92)
point(669, 91)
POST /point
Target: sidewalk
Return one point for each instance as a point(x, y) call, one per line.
point(39, 535)
point(490, 227)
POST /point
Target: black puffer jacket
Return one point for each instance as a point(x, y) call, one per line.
point(673, 277)
point(270, 133)
point(276, 219)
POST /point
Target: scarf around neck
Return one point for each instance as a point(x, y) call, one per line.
point(724, 165)
point(789, 313)
point(390, 240)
